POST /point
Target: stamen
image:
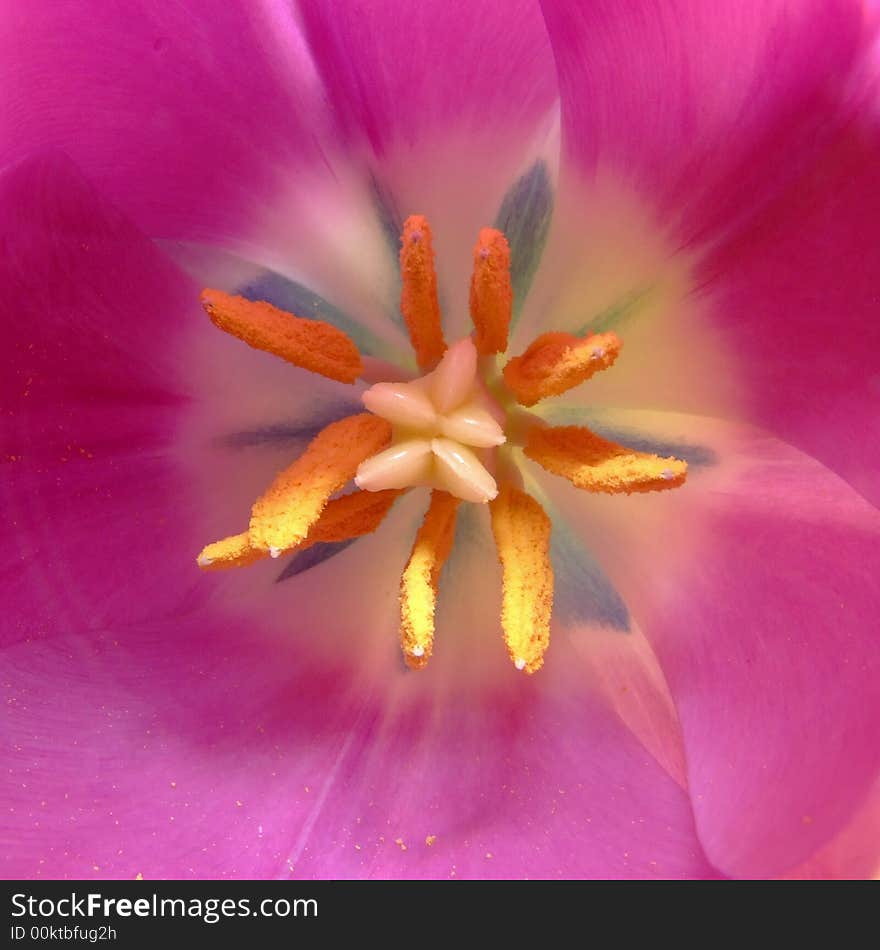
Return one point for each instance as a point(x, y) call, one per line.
point(595, 464)
point(310, 344)
point(282, 516)
point(522, 535)
point(491, 292)
point(556, 362)
point(418, 296)
point(351, 516)
point(418, 586)
point(235, 551)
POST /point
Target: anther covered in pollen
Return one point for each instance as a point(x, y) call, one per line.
point(446, 431)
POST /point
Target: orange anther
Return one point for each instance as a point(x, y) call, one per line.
point(311, 344)
point(282, 517)
point(556, 362)
point(491, 292)
point(522, 535)
point(588, 461)
point(418, 294)
point(418, 586)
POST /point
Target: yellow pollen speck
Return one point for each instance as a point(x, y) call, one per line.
point(522, 535)
point(139, 876)
point(491, 297)
point(557, 362)
point(281, 518)
point(312, 344)
point(588, 461)
point(400, 844)
point(418, 296)
point(418, 586)
point(430, 839)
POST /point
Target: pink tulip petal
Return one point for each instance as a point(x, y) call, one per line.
point(854, 853)
point(794, 300)
point(642, 101)
point(93, 324)
point(190, 117)
point(196, 750)
point(755, 584)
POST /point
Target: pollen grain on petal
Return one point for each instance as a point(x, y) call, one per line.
point(282, 516)
point(491, 297)
point(235, 551)
point(590, 462)
point(522, 536)
point(556, 362)
point(418, 296)
point(418, 586)
point(311, 344)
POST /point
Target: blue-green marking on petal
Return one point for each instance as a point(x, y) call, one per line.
point(312, 557)
point(524, 217)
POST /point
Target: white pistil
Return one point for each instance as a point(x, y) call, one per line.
point(519, 663)
point(439, 420)
point(404, 464)
point(458, 471)
point(453, 380)
point(402, 404)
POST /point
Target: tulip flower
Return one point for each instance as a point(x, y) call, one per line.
point(537, 451)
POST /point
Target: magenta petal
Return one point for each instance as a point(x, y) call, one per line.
point(757, 585)
point(402, 74)
point(795, 298)
point(196, 751)
point(97, 516)
point(642, 100)
point(190, 117)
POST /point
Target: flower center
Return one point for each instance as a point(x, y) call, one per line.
point(442, 432)
point(444, 427)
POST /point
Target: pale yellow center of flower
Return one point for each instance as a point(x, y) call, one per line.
point(444, 426)
point(441, 431)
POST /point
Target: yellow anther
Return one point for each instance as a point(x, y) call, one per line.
point(282, 516)
point(230, 552)
point(522, 535)
point(350, 516)
point(418, 586)
point(595, 464)
point(418, 295)
point(491, 292)
point(556, 362)
point(311, 344)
